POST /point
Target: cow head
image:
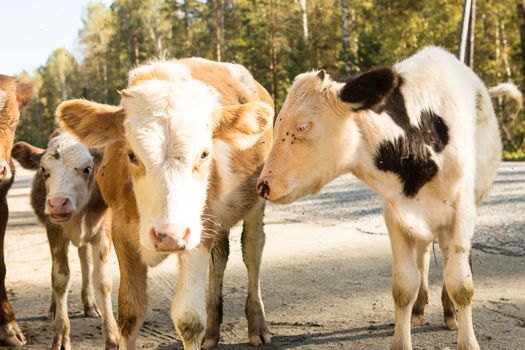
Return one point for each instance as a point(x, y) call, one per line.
point(13, 97)
point(316, 134)
point(168, 128)
point(66, 168)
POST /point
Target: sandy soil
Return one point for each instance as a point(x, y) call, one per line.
point(325, 277)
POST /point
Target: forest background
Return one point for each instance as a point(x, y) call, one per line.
point(275, 40)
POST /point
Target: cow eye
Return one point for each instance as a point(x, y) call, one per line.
point(132, 157)
point(45, 174)
point(87, 170)
point(205, 154)
point(303, 127)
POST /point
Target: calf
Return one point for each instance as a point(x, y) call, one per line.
point(13, 97)
point(423, 135)
point(182, 156)
point(67, 200)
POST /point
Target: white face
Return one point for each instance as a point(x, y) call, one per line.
point(67, 168)
point(168, 131)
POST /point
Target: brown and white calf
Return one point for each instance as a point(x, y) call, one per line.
point(423, 135)
point(13, 97)
point(182, 155)
point(67, 200)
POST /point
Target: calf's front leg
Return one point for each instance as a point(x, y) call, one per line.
point(132, 294)
point(252, 241)
point(188, 308)
point(405, 281)
point(219, 258)
point(10, 332)
point(60, 278)
point(418, 310)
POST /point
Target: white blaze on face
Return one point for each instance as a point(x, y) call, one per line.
point(67, 166)
point(169, 135)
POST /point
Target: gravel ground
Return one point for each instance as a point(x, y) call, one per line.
point(325, 276)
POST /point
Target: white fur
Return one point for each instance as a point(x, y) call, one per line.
point(168, 128)
point(66, 178)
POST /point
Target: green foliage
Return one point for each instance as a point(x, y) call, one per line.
point(267, 37)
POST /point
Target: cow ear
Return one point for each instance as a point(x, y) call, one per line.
point(370, 90)
point(27, 155)
point(94, 124)
point(250, 119)
point(24, 93)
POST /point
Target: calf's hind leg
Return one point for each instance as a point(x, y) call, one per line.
point(101, 248)
point(418, 310)
point(87, 295)
point(252, 241)
point(219, 258)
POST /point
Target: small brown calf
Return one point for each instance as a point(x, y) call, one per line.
point(67, 200)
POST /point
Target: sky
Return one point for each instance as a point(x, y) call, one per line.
point(32, 29)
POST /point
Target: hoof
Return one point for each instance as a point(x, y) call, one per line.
point(209, 343)
point(451, 324)
point(11, 334)
point(259, 339)
point(91, 311)
point(61, 343)
point(417, 320)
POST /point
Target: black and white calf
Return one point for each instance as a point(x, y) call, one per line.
point(422, 134)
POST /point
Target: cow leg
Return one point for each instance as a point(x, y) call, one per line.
point(423, 262)
point(101, 247)
point(458, 274)
point(188, 308)
point(449, 311)
point(87, 295)
point(60, 280)
point(10, 332)
point(405, 281)
point(219, 258)
point(132, 294)
point(252, 241)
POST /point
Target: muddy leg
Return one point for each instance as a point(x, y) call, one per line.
point(252, 240)
point(405, 281)
point(60, 280)
point(132, 294)
point(457, 273)
point(219, 258)
point(188, 308)
point(418, 310)
point(87, 295)
point(101, 248)
point(10, 332)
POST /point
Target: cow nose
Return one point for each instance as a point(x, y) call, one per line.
point(59, 204)
point(263, 188)
point(170, 237)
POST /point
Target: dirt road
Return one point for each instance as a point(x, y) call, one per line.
point(325, 277)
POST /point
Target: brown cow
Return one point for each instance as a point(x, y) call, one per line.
point(67, 200)
point(13, 97)
point(183, 152)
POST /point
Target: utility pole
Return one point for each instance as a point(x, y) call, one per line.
point(466, 34)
